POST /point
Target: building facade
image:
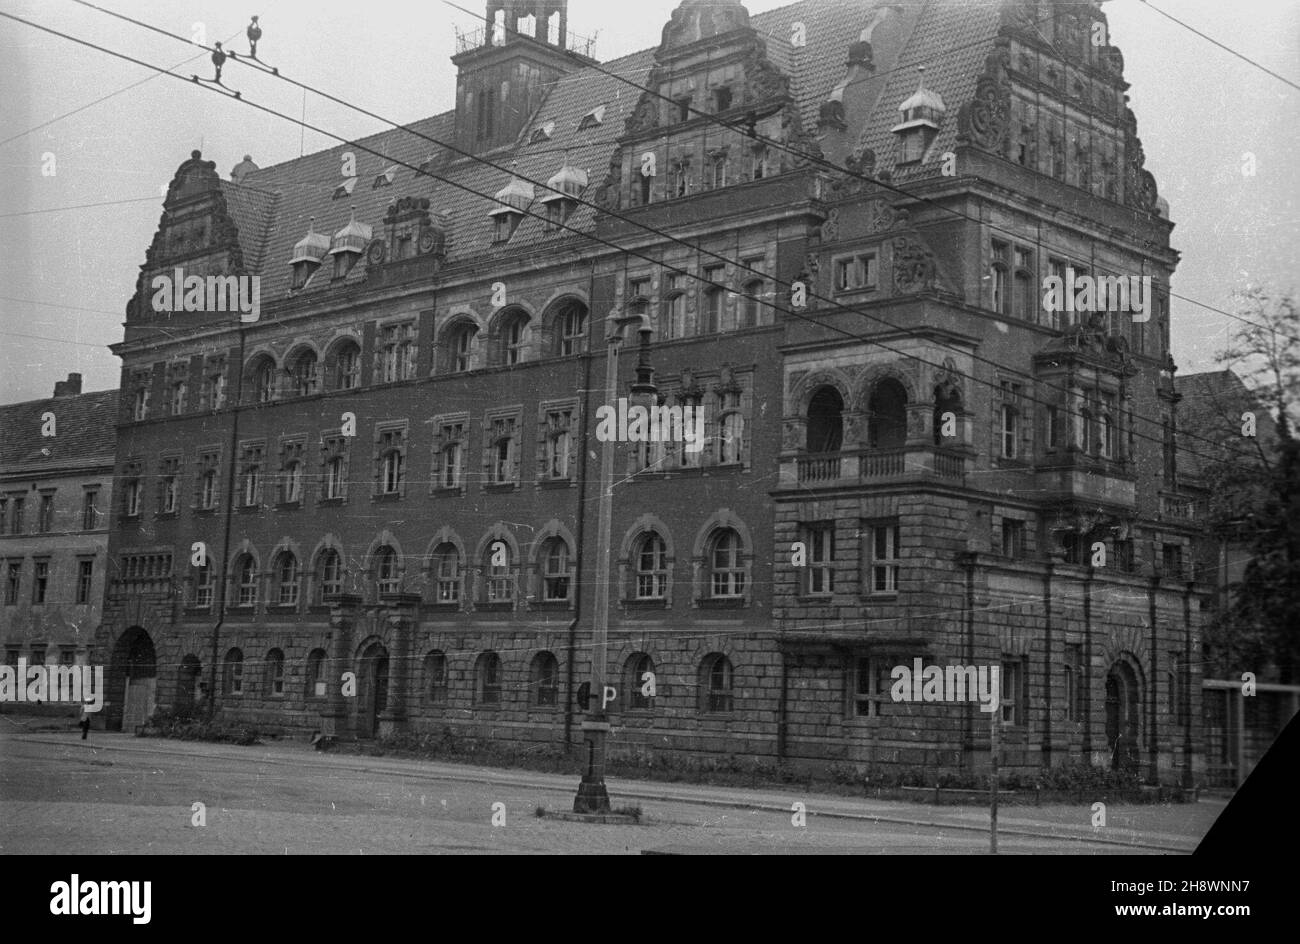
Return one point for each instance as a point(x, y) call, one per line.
point(56, 489)
point(392, 471)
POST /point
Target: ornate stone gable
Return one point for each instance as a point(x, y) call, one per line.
point(985, 120)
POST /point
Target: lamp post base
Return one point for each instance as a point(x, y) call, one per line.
point(592, 796)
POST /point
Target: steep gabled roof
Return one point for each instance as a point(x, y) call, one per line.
point(85, 433)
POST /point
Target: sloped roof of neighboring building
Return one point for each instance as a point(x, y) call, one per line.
point(272, 206)
point(1211, 407)
point(85, 433)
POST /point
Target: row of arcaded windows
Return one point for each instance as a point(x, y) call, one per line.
point(639, 688)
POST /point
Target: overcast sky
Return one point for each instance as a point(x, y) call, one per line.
point(65, 276)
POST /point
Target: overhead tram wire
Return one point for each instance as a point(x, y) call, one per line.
point(822, 161)
point(737, 264)
point(696, 249)
point(611, 245)
point(1227, 49)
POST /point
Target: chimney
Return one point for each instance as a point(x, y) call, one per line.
point(68, 388)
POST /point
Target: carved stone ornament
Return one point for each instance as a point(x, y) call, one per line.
point(606, 195)
point(985, 121)
point(376, 252)
point(831, 228)
point(763, 80)
point(881, 216)
point(861, 163)
point(914, 267)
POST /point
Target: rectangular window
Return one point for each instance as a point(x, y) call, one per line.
point(13, 579)
point(872, 684)
point(820, 539)
point(1013, 538)
point(168, 485)
point(855, 272)
point(40, 581)
point(1013, 691)
point(557, 444)
point(1074, 682)
point(45, 515)
point(1053, 427)
point(883, 554)
point(85, 580)
point(998, 277)
point(16, 514)
point(90, 509)
point(390, 461)
point(502, 450)
point(1172, 559)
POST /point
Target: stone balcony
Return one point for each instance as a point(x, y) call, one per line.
point(855, 467)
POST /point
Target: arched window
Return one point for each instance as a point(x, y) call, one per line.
point(726, 569)
point(345, 365)
point(460, 348)
point(544, 680)
point(498, 583)
point(303, 377)
point(887, 425)
point(555, 570)
point(286, 575)
point(445, 567)
point(232, 674)
point(246, 576)
point(752, 304)
point(651, 567)
point(571, 326)
point(315, 680)
point(635, 682)
point(825, 421)
point(329, 571)
point(387, 576)
point(262, 377)
point(512, 338)
point(203, 584)
point(435, 677)
point(487, 679)
point(275, 673)
point(715, 683)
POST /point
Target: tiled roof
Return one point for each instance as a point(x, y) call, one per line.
point(272, 206)
point(1210, 407)
point(84, 432)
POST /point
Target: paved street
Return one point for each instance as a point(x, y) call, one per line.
point(116, 794)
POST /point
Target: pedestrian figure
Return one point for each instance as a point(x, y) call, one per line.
point(84, 723)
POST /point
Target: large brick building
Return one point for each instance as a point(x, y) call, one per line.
point(56, 488)
point(393, 471)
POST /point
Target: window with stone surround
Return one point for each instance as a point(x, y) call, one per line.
point(556, 574)
point(1013, 701)
point(251, 470)
point(487, 680)
point(871, 685)
point(556, 440)
point(715, 684)
point(232, 676)
point(131, 478)
point(390, 458)
point(726, 569)
point(334, 466)
point(291, 474)
point(819, 541)
point(207, 483)
point(449, 448)
point(1074, 691)
point(635, 670)
point(141, 391)
point(315, 675)
point(212, 394)
point(435, 677)
point(544, 680)
point(169, 484)
point(650, 561)
point(395, 352)
point(329, 573)
point(501, 452)
point(445, 573)
point(275, 673)
point(287, 579)
point(883, 557)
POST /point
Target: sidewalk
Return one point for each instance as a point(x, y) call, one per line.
point(1165, 827)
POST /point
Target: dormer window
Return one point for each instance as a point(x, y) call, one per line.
point(345, 189)
point(922, 113)
point(385, 179)
point(512, 200)
point(592, 118)
point(348, 245)
point(542, 134)
point(562, 194)
point(307, 254)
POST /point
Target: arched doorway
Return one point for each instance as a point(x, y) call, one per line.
point(825, 421)
point(887, 420)
point(1123, 716)
point(372, 689)
point(133, 679)
point(188, 694)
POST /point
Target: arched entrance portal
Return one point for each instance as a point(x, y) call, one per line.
point(372, 689)
point(1123, 715)
point(132, 680)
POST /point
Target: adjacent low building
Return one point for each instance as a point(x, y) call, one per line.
point(56, 489)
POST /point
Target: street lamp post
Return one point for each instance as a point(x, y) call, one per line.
point(592, 796)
